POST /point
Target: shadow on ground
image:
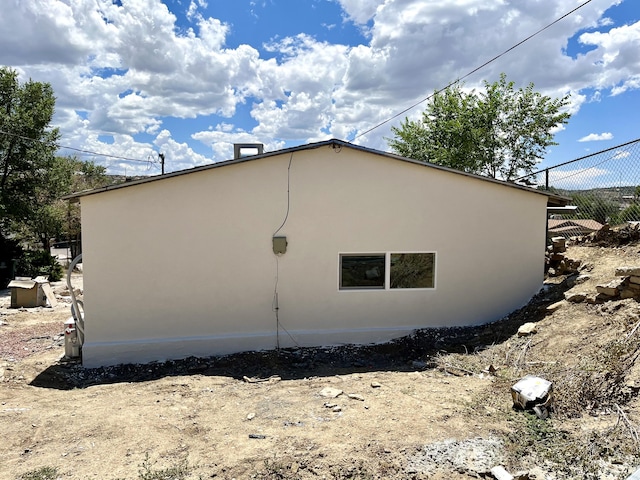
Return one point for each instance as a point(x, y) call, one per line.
point(409, 353)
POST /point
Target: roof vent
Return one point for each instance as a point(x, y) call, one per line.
point(241, 150)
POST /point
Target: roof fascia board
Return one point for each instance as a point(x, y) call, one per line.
point(553, 200)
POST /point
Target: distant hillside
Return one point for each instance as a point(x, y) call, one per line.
point(117, 179)
point(608, 192)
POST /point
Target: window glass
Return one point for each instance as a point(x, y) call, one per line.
point(412, 270)
point(362, 271)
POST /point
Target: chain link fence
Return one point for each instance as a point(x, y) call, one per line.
point(604, 186)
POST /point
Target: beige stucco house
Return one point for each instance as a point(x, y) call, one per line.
point(322, 244)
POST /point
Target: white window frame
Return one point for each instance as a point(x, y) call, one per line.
point(365, 254)
point(387, 272)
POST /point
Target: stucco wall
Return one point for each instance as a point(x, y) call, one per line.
point(184, 266)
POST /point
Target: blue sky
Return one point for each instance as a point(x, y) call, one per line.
point(188, 78)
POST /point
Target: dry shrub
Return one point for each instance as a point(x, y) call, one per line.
point(598, 381)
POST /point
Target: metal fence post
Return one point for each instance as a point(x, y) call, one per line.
point(546, 179)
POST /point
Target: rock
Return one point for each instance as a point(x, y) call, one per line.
point(251, 416)
point(500, 473)
point(336, 409)
point(522, 475)
point(628, 271)
point(555, 306)
point(536, 473)
point(419, 364)
point(575, 297)
point(562, 267)
point(582, 278)
point(608, 291)
point(633, 286)
point(490, 370)
point(330, 405)
point(627, 293)
point(329, 392)
point(355, 396)
point(375, 385)
point(634, 279)
point(559, 244)
point(599, 298)
point(612, 289)
point(273, 378)
point(527, 329)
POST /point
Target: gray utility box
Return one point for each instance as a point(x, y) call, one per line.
point(279, 245)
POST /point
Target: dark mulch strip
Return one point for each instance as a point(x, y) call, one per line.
point(403, 354)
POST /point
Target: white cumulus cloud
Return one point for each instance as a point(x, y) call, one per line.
point(595, 137)
point(130, 71)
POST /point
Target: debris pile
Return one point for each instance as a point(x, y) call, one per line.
point(626, 285)
point(533, 393)
point(608, 236)
point(556, 262)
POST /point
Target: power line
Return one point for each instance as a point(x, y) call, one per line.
point(88, 152)
point(104, 154)
point(473, 71)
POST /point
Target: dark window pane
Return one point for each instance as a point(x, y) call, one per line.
point(362, 271)
point(412, 270)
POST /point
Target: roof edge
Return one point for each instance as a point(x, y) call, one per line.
point(554, 200)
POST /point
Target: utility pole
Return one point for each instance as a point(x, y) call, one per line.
point(161, 157)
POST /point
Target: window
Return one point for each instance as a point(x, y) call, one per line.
point(412, 270)
point(362, 271)
point(387, 271)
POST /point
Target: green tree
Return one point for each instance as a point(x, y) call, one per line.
point(85, 176)
point(55, 218)
point(447, 135)
point(629, 214)
point(32, 178)
point(592, 206)
point(501, 132)
point(27, 146)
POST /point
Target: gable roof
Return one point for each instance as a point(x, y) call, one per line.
point(553, 199)
point(558, 224)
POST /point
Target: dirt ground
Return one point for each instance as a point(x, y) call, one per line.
point(434, 405)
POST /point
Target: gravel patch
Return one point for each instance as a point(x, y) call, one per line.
point(473, 457)
point(19, 343)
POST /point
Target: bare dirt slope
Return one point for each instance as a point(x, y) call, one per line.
point(423, 407)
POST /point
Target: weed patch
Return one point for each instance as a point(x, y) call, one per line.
point(176, 472)
point(43, 473)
